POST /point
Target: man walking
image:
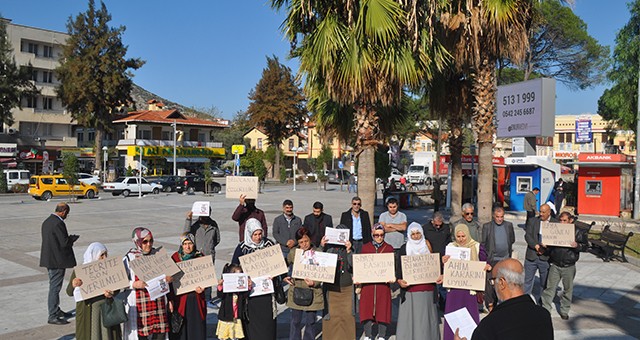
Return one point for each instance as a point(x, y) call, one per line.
point(563, 268)
point(359, 224)
point(394, 223)
point(56, 254)
point(285, 227)
point(317, 222)
point(531, 203)
point(536, 258)
point(468, 212)
point(247, 209)
point(498, 238)
point(207, 234)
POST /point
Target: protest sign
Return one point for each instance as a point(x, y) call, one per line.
point(420, 268)
point(464, 274)
point(261, 286)
point(558, 234)
point(200, 208)
point(151, 266)
point(373, 268)
point(314, 265)
point(235, 282)
point(336, 236)
point(265, 262)
point(458, 253)
point(242, 185)
point(101, 275)
point(198, 272)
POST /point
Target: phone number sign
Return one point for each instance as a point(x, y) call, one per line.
point(526, 109)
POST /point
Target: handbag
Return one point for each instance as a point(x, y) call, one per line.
point(113, 312)
point(176, 322)
point(279, 294)
point(302, 296)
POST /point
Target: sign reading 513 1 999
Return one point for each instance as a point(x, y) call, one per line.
point(526, 109)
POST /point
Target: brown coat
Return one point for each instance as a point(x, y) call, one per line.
point(318, 300)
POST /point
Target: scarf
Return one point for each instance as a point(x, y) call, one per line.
point(187, 237)
point(138, 235)
point(251, 226)
point(416, 247)
point(470, 243)
point(377, 226)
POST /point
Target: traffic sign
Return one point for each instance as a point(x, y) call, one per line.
point(340, 165)
point(238, 149)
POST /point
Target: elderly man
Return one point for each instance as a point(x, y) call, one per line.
point(563, 267)
point(517, 316)
point(498, 238)
point(536, 258)
point(285, 227)
point(359, 224)
point(439, 235)
point(531, 203)
point(467, 219)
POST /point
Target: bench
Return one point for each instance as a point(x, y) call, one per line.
point(586, 227)
point(610, 242)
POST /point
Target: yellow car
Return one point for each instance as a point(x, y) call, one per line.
point(46, 186)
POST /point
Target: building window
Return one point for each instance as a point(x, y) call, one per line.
point(146, 134)
point(429, 147)
point(291, 145)
point(34, 75)
point(561, 138)
point(80, 135)
point(47, 103)
point(166, 135)
point(201, 137)
point(32, 102)
point(47, 77)
point(33, 48)
point(259, 143)
point(569, 137)
point(91, 135)
point(47, 51)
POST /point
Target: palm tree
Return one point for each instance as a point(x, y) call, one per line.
point(363, 54)
point(480, 32)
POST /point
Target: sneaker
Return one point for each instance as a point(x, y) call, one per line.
point(564, 316)
point(58, 321)
point(63, 314)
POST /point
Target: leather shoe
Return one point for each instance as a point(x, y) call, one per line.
point(58, 321)
point(63, 314)
point(564, 316)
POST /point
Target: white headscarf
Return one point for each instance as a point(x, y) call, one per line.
point(250, 227)
point(416, 247)
point(93, 252)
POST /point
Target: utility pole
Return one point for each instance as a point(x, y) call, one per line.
point(636, 195)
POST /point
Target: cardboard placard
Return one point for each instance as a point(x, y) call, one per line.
point(201, 208)
point(314, 265)
point(374, 268)
point(101, 275)
point(264, 262)
point(151, 266)
point(242, 185)
point(558, 234)
point(198, 272)
point(464, 274)
point(418, 269)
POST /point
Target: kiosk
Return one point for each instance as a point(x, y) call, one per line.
point(605, 184)
point(527, 173)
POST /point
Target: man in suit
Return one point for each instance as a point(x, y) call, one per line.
point(498, 238)
point(359, 224)
point(536, 258)
point(56, 254)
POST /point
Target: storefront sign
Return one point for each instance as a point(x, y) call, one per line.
point(8, 150)
point(604, 158)
point(167, 151)
point(526, 109)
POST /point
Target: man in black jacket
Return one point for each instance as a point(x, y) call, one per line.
point(359, 225)
point(317, 222)
point(563, 267)
point(439, 235)
point(56, 254)
point(497, 238)
point(536, 258)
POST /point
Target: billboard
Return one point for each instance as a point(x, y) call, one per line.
point(526, 109)
point(584, 133)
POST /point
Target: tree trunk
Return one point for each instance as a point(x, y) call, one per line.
point(367, 179)
point(455, 147)
point(276, 165)
point(484, 91)
point(98, 150)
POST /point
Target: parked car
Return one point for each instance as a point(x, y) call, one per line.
point(246, 173)
point(47, 186)
point(395, 175)
point(89, 179)
point(338, 175)
point(315, 174)
point(15, 176)
point(217, 172)
point(191, 184)
point(126, 185)
point(168, 182)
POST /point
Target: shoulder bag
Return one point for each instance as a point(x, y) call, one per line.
point(113, 312)
point(302, 296)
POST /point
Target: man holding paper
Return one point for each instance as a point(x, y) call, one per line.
point(563, 267)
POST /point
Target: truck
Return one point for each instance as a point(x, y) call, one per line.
point(419, 172)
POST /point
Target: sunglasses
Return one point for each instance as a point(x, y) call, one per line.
point(147, 241)
point(468, 213)
point(378, 235)
point(356, 204)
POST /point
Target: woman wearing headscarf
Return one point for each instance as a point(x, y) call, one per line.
point(418, 316)
point(262, 310)
point(88, 312)
point(191, 306)
point(147, 319)
point(375, 298)
point(459, 298)
point(340, 322)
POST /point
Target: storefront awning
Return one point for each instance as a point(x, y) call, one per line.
point(188, 159)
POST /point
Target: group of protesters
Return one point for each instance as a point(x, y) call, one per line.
point(338, 304)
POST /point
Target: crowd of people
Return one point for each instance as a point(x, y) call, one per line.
point(338, 305)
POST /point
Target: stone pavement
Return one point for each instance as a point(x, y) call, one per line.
point(606, 297)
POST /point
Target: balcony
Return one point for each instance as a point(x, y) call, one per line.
point(157, 142)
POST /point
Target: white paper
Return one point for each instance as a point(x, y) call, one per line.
point(261, 286)
point(77, 295)
point(200, 208)
point(235, 282)
point(462, 320)
point(336, 236)
point(458, 253)
point(318, 258)
point(157, 287)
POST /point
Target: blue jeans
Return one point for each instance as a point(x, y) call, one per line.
point(299, 319)
point(530, 268)
point(56, 276)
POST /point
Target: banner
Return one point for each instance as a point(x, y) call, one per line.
point(265, 262)
point(242, 185)
point(314, 265)
point(464, 274)
point(101, 275)
point(420, 268)
point(374, 268)
point(558, 234)
point(151, 266)
point(198, 272)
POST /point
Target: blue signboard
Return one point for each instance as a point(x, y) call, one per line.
point(584, 134)
point(340, 164)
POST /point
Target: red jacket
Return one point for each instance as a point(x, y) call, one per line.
point(375, 298)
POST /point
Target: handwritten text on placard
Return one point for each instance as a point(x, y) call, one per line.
point(420, 268)
point(373, 268)
point(196, 272)
point(464, 274)
point(151, 266)
point(265, 262)
point(101, 275)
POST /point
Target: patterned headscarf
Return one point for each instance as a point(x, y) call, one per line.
point(251, 226)
point(416, 247)
point(138, 235)
point(187, 237)
point(93, 252)
point(375, 227)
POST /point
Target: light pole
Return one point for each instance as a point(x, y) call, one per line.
point(104, 163)
point(174, 125)
point(295, 165)
point(140, 144)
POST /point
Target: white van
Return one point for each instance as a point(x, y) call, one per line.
point(17, 177)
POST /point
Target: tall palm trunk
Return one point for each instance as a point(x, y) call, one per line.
point(98, 149)
point(366, 125)
point(484, 92)
point(455, 147)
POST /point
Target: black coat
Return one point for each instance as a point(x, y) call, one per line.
point(516, 318)
point(317, 226)
point(226, 306)
point(347, 219)
point(57, 247)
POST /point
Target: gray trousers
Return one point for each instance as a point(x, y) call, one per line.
point(556, 274)
point(56, 276)
point(530, 268)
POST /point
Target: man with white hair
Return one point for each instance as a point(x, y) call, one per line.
point(475, 230)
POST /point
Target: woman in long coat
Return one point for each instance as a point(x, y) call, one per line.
point(375, 298)
point(262, 311)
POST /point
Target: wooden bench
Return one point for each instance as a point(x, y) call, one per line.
point(610, 242)
point(586, 227)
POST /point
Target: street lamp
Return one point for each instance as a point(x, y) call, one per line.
point(140, 144)
point(174, 125)
point(295, 165)
point(104, 163)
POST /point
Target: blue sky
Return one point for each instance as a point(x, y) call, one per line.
point(207, 53)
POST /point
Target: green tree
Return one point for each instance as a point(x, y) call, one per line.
point(70, 170)
point(620, 101)
point(234, 135)
point(277, 105)
point(15, 81)
point(94, 74)
point(208, 177)
point(362, 55)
